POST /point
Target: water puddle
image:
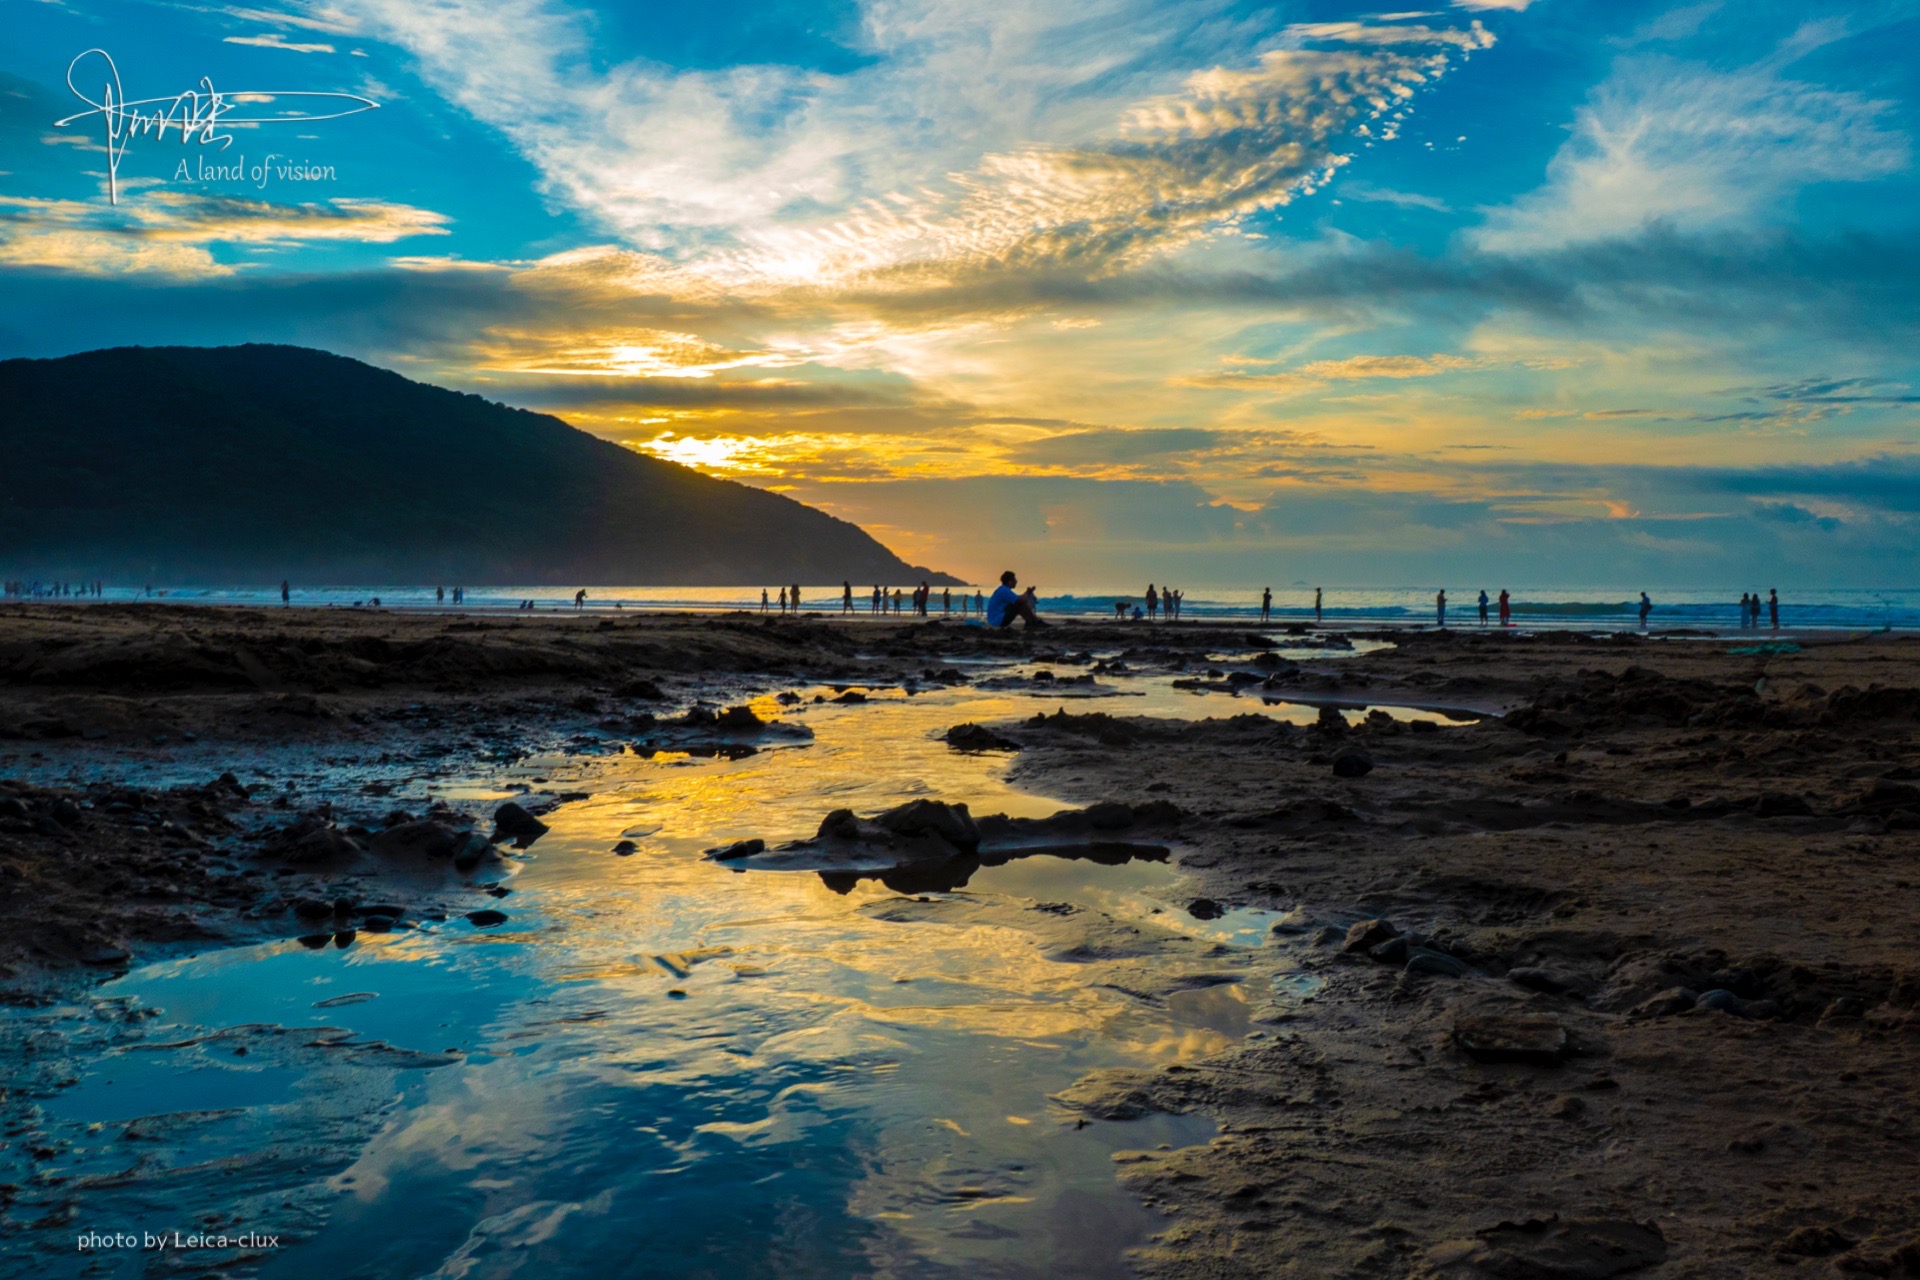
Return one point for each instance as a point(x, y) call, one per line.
point(659, 1065)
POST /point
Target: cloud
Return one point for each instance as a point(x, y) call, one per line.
point(1320, 372)
point(273, 40)
point(1683, 144)
point(1493, 6)
point(765, 178)
point(168, 232)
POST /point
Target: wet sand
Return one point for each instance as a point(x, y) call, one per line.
point(1615, 978)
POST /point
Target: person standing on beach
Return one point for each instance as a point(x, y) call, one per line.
point(1646, 607)
point(1153, 603)
point(783, 602)
point(580, 598)
point(795, 589)
point(286, 591)
point(1440, 605)
point(1746, 605)
point(1316, 606)
point(1483, 606)
point(764, 600)
point(846, 596)
point(1266, 604)
point(1506, 608)
point(1773, 607)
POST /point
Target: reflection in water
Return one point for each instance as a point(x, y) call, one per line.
point(658, 1065)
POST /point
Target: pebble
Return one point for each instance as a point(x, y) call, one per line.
point(486, 918)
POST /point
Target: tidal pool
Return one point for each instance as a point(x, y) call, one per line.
point(660, 1066)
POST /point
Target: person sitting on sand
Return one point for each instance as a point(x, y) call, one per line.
point(1006, 604)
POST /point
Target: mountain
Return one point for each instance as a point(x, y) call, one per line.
point(257, 463)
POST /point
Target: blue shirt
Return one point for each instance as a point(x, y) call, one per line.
point(1000, 604)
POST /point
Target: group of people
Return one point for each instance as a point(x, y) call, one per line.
point(53, 590)
point(1750, 606)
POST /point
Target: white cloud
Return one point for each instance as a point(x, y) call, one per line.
point(274, 40)
point(979, 134)
point(1487, 6)
point(1666, 141)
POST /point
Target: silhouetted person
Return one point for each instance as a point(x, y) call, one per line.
point(783, 602)
point(946, 599)
point(1646, 607)
point(1153, 603)
point(1007, 604)
point(1316, 606)
point(1483, 606)
point(1440, 605)
point(439, 595)
point(795, 590)
point(286, 592)
point(979, 604)
point(1746, 606)
point(1266, 604)
point(846, 597)
point(580, 598)
point(1506, 608)
point(1773, 606)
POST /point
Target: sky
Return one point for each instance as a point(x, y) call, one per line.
point(1540, 291)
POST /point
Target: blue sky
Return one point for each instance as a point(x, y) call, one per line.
point(1550, 290)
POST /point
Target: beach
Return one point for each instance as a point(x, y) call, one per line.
point(1555, 953)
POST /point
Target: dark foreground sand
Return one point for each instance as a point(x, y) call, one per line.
point(1620, 979)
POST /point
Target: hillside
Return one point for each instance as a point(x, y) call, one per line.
point(256, 463)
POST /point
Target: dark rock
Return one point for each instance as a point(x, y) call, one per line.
point(1666, 1003)
point(1781, 804)
point(311, 908)
point(1352, 764)
point(1539, 980)
point(625, 847)
point(486, 918)
point(1815, 1242)
point(1368, 934)
point(973, 737)
point(1552, 1248)
point(1511, 1038)
point(739, 849)
point(377, 924)
point(950, 822)
point(851, 695)
point(1330, 721)
point(1392, 951)
point(1205, 909)
point(1435, 963)
point(471, 851)
point(516, 824)
point(1109, 815)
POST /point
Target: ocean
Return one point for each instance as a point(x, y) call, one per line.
point(1535, 608)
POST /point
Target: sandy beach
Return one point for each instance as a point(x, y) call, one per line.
point(1599, 964)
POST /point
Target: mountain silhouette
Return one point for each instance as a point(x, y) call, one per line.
point(256, 463)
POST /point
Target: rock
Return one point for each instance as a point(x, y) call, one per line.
point(740, 849)
point(1109, 815)
point(1665, 1004)
point(13, 809)
point(1551, 1248)
point(1511, 1038)
point(1330, 721)
point(1325, 936)
point(851, 695)
point(471, 851)
point(951, 822)
point(1352, 764)
point(739, 718)
point(516, 824)
point(625, 848)
point(1368, 934)
point(643, 690)
point(423, 838)
point(377, 924)
point(1392, 951)
point(486, 918)
point(973, 737)
point(1721, 1001)
point(1814, 1242)
point(1539, 980)
point(1205, 909)
point(1435, 963)
point(1781, 804)
point(311, 908)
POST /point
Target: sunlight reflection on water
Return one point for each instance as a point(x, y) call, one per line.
point(667, 1067)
